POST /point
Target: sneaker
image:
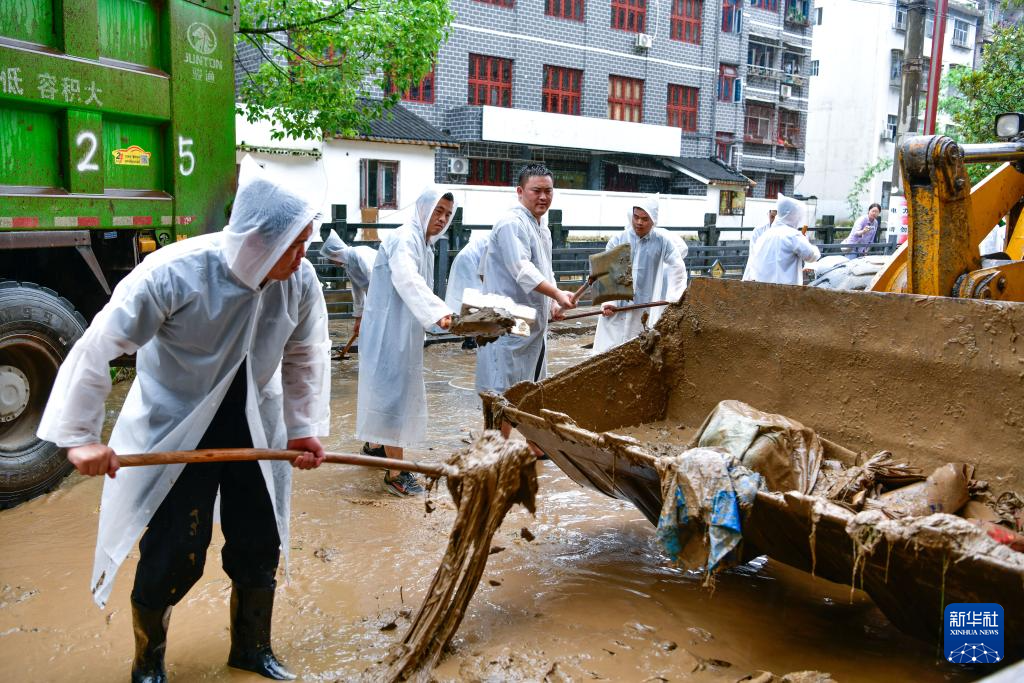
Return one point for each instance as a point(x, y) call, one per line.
point(377, 452)
point(403, 485)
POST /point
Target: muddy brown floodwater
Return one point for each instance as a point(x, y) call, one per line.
point(588, 598)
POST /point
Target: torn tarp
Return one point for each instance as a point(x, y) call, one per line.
point(705, 494)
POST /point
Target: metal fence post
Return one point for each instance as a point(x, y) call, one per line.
point(441, 267)
point(710, 229)
point(457, 232)
point(829, 224)
point(557, 230)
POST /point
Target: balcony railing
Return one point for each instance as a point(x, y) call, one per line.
point(795, 17)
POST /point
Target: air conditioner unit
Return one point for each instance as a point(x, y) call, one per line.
point(885, 136)
point(785, 91)
point(644, 41)
point(458, 166)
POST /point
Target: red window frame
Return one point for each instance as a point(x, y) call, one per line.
point(773, 187)
point(562, 90)
point(757, 124)
point(681, 109)
point(769, 5)
point(494, 172)
point(422, 92)
point(685, 23)
point(565, 9)
point(625, 99)
point(723, 141)
point(727, 75)
point(490, 81)
point(730, 16)
point(499, 3)
point(629, 15)
point(789, 128)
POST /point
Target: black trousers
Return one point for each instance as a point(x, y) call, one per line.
point(173, 549)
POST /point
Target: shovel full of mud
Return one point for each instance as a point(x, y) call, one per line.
point(873, 392)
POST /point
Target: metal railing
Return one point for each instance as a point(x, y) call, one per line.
point(710, 252)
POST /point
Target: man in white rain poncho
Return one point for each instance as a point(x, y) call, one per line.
point(756, 235)
point(465, 274)
point(358, 262)
point(659, 274)
point(401, 305)
point(518, 265)
point(230, 331)
point(778, 255)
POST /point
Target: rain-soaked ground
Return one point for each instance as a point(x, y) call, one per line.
point(590, 598)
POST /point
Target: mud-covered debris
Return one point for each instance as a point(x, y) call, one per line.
point(390, 626)
point(495, 549)
point(326, 554)
point(757, 677)
point(526, 534)
point(494, 582)
point(642, 628)
point(807, 677)
point(719, 663)
point(429, 506)
point(668, 645)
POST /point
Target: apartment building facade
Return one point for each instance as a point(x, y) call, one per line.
point(857, 69)
point(622, 95)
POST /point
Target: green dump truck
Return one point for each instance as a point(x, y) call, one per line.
point(116, 137)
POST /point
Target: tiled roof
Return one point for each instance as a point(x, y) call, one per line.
point(401, 125)
point(708, 170)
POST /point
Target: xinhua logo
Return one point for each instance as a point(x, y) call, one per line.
point(974, 633)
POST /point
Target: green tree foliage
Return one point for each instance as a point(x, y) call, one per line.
point(324, 57)
point(975, 98)
point(856, 193)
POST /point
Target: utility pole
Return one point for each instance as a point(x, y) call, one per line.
point(935, 66)
point(909, 118)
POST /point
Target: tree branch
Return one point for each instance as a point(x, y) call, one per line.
point(302, 24)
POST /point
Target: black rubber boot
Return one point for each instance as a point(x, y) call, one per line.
point(150, 626)
point(251, 610)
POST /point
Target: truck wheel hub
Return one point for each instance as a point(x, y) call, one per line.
point(14, 393)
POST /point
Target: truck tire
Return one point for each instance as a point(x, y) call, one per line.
point(37, 330)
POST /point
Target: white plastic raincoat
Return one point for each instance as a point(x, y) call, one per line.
point(194, 311)
point(659, 274)
point(400, 306)
point(778, 255)
point(358, 262)
point(754, 237)
point(465, 271)
point(518, 259)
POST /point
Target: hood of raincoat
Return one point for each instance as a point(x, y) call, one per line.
point(790, 212)
point(334, 247)
point(425, 207)
point(265, 219)
point(648, 204)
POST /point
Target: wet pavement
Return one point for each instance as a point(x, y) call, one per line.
point(589, 598)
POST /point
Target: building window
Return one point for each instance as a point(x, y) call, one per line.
point(629, 15)
point(625, 99)
point(891, 122)
point(770, 5)
point(789, 128)
point(818, 12)
point(561, 92)
point(900, 22)
point(378, 184)
point(616, 181)
point(422, 91)
point(490, 81)
point(730, 16)
point(723, 146)
point(757, 126)
point(682, 107)
point(728, 83)
point(798, 12)
point(960, 29)
point(814, 67)
point(773, 187)
point(490, 172)
point(686, 20)
point(929, 27)
point(499, 3)
point(895, 66)
point(760, 55)
point(790, 64)
point(564, 9)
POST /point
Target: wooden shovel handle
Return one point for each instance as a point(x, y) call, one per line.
point(579, 292)
point(616, 309)
point(344, 351)
point(246, 454)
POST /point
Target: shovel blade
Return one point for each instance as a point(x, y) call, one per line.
point(613, 270)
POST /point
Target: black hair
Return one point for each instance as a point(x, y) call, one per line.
point(873, 205)
point(449, 196)
point(531, 171)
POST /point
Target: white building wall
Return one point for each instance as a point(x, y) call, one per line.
point(851, 97)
